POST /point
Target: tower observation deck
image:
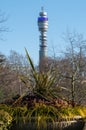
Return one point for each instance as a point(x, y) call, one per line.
point(43, 27)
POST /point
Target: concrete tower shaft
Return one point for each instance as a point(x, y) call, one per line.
point(43, 27)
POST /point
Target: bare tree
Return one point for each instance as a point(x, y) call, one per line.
point(74, 69)
point(3, 20)
point(10, 83)
point(18, 62)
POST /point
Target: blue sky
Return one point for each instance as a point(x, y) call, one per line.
point(22, 23)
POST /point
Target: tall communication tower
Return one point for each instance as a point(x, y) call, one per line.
point(43, 27)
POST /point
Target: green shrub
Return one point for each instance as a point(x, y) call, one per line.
point(5, 120)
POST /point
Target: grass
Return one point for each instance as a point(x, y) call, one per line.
point(41, 114)
point(70, 112)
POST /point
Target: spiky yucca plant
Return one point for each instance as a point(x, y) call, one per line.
point(41, 84)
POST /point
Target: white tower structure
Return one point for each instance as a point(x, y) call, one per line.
point(43, 27)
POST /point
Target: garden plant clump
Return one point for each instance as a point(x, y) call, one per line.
point(40, 105)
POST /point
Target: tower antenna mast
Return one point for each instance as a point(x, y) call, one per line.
point(43, 27)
